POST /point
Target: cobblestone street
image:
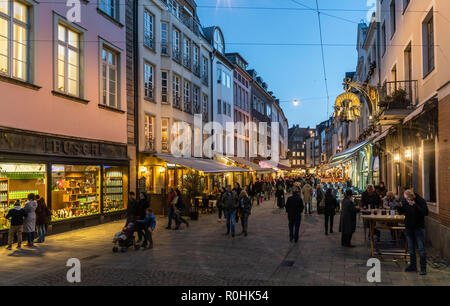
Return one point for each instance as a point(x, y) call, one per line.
point(203, 255)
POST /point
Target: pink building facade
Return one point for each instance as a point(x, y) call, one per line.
point(63, 107)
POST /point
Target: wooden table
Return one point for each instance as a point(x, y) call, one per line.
point(372, 220)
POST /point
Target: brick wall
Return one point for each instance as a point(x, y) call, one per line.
point(444, 161)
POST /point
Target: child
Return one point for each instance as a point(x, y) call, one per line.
point(17, 215)
point(149, 224)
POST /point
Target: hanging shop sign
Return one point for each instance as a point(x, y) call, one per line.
point(347, 107)
point(21, 142)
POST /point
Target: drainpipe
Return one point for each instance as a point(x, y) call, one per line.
point(136, 84)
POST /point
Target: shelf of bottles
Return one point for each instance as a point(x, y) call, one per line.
point(113, 190)
point(4, 200)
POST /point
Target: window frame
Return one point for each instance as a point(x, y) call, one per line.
point(118, 53)
point(427, 47)
point(153, 82)
point(116, 16)
point(149, 30)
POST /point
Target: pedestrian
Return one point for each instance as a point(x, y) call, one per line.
point(237, 188)
point(178, 205)
point(371, 200)
point(258, 191)
point(131, 208)
point(269, 189)
point(294, 209)
point(251, 191)
point(348, 219)
point(307, 192)
point(29, 224)
point(148, 224)
point(170, 211)
point(230, 205)
point(43, 214)
point(381, 190)
point(390, 202)
point(141, 208)
point(415, 209)
point(17, 215)
point(245, 209)
point(279, 194)
point(320, 199)
point(329, 210)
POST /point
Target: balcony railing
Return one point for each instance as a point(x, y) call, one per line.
point(187, 62)
point(205, 79)
point(150, 144)
point(196, 69)
point(176, 55)
point(398, 95)
point(176, 102)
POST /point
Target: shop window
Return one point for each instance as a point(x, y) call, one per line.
point(115, 188)
point(16, 182)
point(75, 191)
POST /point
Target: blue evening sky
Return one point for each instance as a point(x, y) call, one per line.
point(292, 71)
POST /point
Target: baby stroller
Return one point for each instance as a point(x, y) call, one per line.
point(125, 239)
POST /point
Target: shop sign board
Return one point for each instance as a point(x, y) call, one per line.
point(21, 142)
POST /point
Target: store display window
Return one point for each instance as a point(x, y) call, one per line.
point(115, 192)
point(17, 180)
point(75, 191)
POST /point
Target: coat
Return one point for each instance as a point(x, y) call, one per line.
point(245, 205)
point(294, 207)
point(371, 200)
point(348, 217)
point(29, 224)
point(415, 214)
point(42, 213)
point(229, 201)
point(16, 214)
point(330, 205)
point(307, 192)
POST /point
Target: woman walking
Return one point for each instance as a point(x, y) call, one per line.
point(29, 225)
point(320, 198)
point(330, 210)
point(245, 209)
point(43, 215)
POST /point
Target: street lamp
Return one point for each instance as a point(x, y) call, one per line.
point(408, 153)
point(397, 157)
point(296, 102)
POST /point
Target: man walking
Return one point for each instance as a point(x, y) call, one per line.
point(307, 192)
point(415, 209)
point(171, 210)
point(348, 219)
point(294, 209)
point(230, 205)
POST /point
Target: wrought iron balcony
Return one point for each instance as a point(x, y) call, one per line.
point(150, 145)
point(397, 100)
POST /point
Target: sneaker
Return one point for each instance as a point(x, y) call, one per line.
point(169, 227)
point(423, 272)
point(232, 235)
point(245, 234)
point(9, 247)
point(411, 269)
point(331, 232)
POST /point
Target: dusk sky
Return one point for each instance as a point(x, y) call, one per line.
point(283, 46)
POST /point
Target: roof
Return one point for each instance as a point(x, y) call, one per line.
point(200, 164)
point(247, 163)
point(345, 155)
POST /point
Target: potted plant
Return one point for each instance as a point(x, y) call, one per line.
point(193, 186)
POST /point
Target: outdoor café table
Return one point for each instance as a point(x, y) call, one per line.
point(372, 221)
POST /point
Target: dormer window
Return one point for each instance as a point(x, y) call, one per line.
point(219, 44)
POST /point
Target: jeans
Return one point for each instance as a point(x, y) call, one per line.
point(417, 238)
point(294, 227)
point(41, 233)
point(30, 237)
point(231, 216)
point(148, 237)
point(329, 218)
point(307, 208)
point(15, 229)
point(179, 219)
point(170, 215)
point(244, 221)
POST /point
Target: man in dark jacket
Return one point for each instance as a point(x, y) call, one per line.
point(348, 219)
point(16, 214)
point(371, 200)
point(230, 205)
point(131, 208)
point(294, 209)
point(415, 209)
point(258, 190)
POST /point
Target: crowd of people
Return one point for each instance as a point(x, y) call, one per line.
point(33, 216)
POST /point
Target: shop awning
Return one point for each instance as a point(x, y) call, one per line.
point(414, 114)
point(382, 135)
point(200, 164)
point(347, 154)
point(249, 164)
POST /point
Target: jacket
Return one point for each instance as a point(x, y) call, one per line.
point(348, 217)
point(42, 213)
point(148, 221)
point(294, 206)
point(16, 214)
point(415, 214)
point(307, 192)
point(142, 205)
point(330, 205)
point(29, 224)
point(132, 208)
point(229, 201)
point(245, 205)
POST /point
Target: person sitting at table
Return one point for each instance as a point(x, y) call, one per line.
point(390, 202)
point(371, 200)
